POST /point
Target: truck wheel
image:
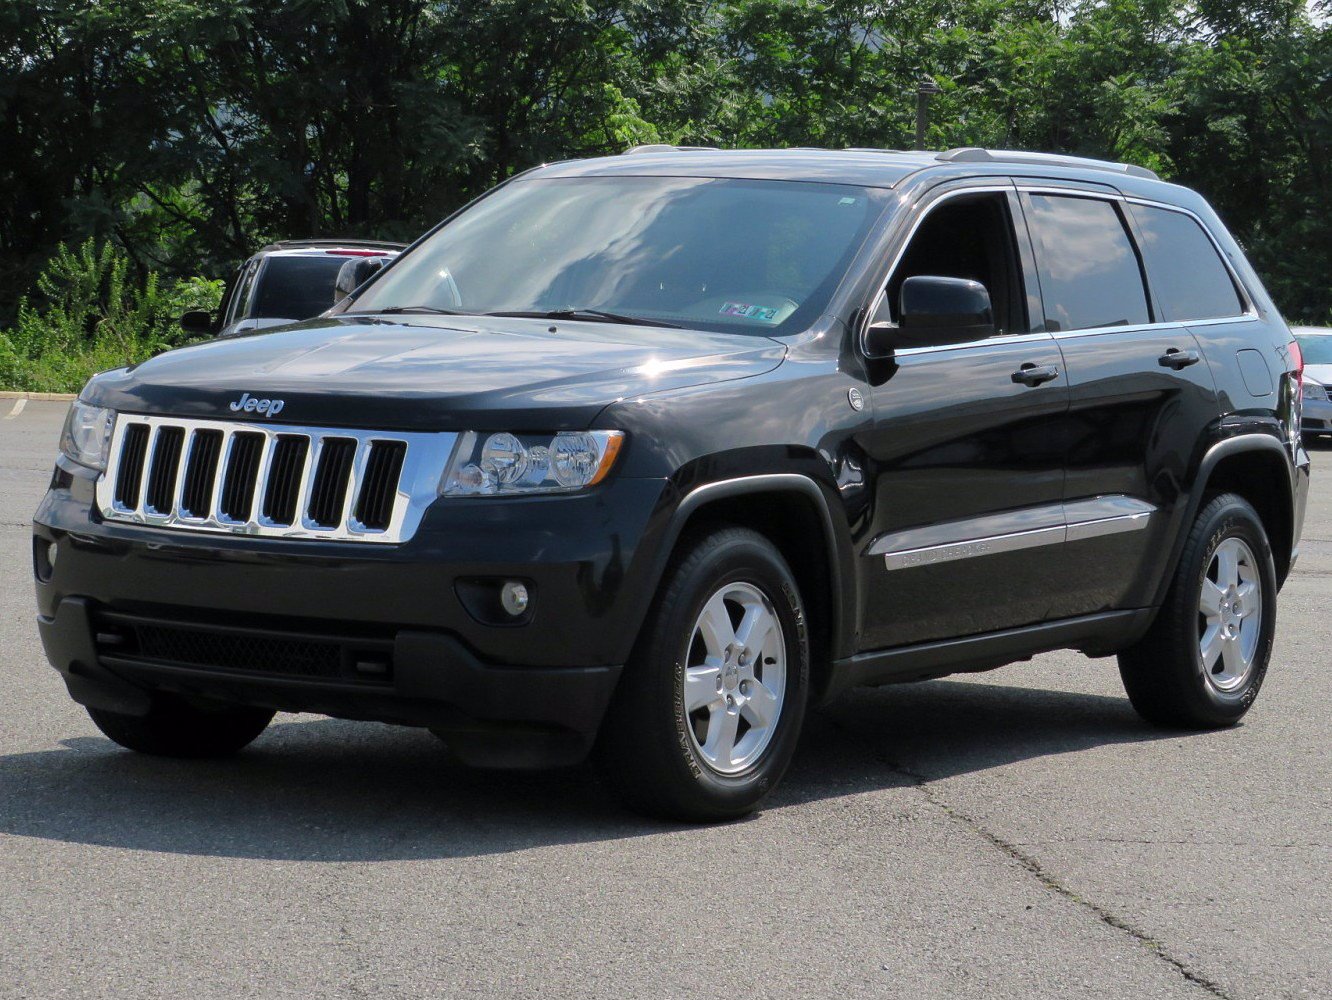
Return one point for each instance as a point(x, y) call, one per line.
point(708, 712)
point(1201, 664)
point(174, 727)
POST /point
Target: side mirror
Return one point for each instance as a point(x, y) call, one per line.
point(197, 321)
point(355, 273)
point(934, 311)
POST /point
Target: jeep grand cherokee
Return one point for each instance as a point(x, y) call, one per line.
point(644, 455)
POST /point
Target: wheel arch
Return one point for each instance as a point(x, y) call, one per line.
point(1257, 467)
point(791, 511)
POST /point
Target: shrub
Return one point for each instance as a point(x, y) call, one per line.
point(91, 315)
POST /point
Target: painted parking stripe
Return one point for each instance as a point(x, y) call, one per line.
point(19, 404)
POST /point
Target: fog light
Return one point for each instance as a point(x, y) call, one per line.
point(43, 559)
point(513, 598)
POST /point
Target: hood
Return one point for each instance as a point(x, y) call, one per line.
point(433, 372)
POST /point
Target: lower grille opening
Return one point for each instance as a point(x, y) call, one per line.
point(273, 653)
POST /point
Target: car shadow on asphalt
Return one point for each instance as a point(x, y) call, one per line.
point(327, 790)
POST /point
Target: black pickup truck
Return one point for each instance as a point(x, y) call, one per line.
point(645, 455)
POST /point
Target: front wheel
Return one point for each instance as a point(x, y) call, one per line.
point(709, 710)
point(1204, 659)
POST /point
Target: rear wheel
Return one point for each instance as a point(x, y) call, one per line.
point(708, 713)
point(1204, 659)
point(175, 727)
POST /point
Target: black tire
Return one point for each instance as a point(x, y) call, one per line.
point(1164, 673)
point(174, 727)
point(647, 748)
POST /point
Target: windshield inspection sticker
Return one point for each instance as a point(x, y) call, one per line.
point(765, 314)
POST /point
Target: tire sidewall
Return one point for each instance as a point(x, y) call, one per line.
point(751, 561)
point(1234, 519)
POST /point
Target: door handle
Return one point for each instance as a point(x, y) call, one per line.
point(1177, 359)
point(1030, 374)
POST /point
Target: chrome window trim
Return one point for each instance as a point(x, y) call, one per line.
point(1248, 315)
point(426, 457)
point(1012, 531)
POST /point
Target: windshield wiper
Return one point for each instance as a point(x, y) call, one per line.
point(391, 310)
point(596, 315)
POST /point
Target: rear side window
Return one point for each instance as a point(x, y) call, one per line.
point(1090, 275)
point(1183, 267)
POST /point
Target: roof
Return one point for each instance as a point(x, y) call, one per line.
point(864, 167)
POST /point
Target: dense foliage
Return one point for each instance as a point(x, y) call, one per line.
point(187, 133)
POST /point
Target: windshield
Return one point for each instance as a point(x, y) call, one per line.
point(296, 287)
point(725, 255)
point(1316, 350)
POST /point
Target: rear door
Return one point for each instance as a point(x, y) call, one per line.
point(1141, 395)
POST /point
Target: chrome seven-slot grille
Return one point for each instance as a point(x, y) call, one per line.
point(272, 480)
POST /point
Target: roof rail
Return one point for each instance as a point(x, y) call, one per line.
point(974, 154)
point(666, 147)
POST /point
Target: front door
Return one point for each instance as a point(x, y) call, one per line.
point(967, 521)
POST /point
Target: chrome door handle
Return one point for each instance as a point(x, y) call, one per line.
point(1177, 359)
point(1030, 374)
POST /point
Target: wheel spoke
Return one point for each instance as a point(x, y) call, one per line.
point(761, 708)
point(1210, 646)
point(720, 745)
point(1246, 593)
point(1210, 601)
point(1227, 564)
point(1233, 657)
point(715, 626)
point(700, 687)
point(755, 629)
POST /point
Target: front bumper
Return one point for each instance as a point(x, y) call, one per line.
point(496, 716)
point(392, 629)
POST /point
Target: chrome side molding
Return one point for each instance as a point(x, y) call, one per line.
point(1030, 527)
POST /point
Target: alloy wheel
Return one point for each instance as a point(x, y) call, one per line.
point(734, 678)
point(1230, 615)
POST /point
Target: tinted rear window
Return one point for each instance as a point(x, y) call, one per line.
point(297, 287)
point(1089, 271)
point(1185, 271)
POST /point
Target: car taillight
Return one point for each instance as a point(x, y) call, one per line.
point(1297, 366)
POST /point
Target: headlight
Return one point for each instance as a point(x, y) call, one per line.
point(86, 438)
point(1312, 390)
point(505, 464)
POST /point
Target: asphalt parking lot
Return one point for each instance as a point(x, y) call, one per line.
point(1018, 834)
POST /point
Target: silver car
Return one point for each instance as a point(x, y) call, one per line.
point(1316, 346)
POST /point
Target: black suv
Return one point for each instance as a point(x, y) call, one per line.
point(647, 454)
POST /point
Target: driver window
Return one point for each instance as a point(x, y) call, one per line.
point(966, 237)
